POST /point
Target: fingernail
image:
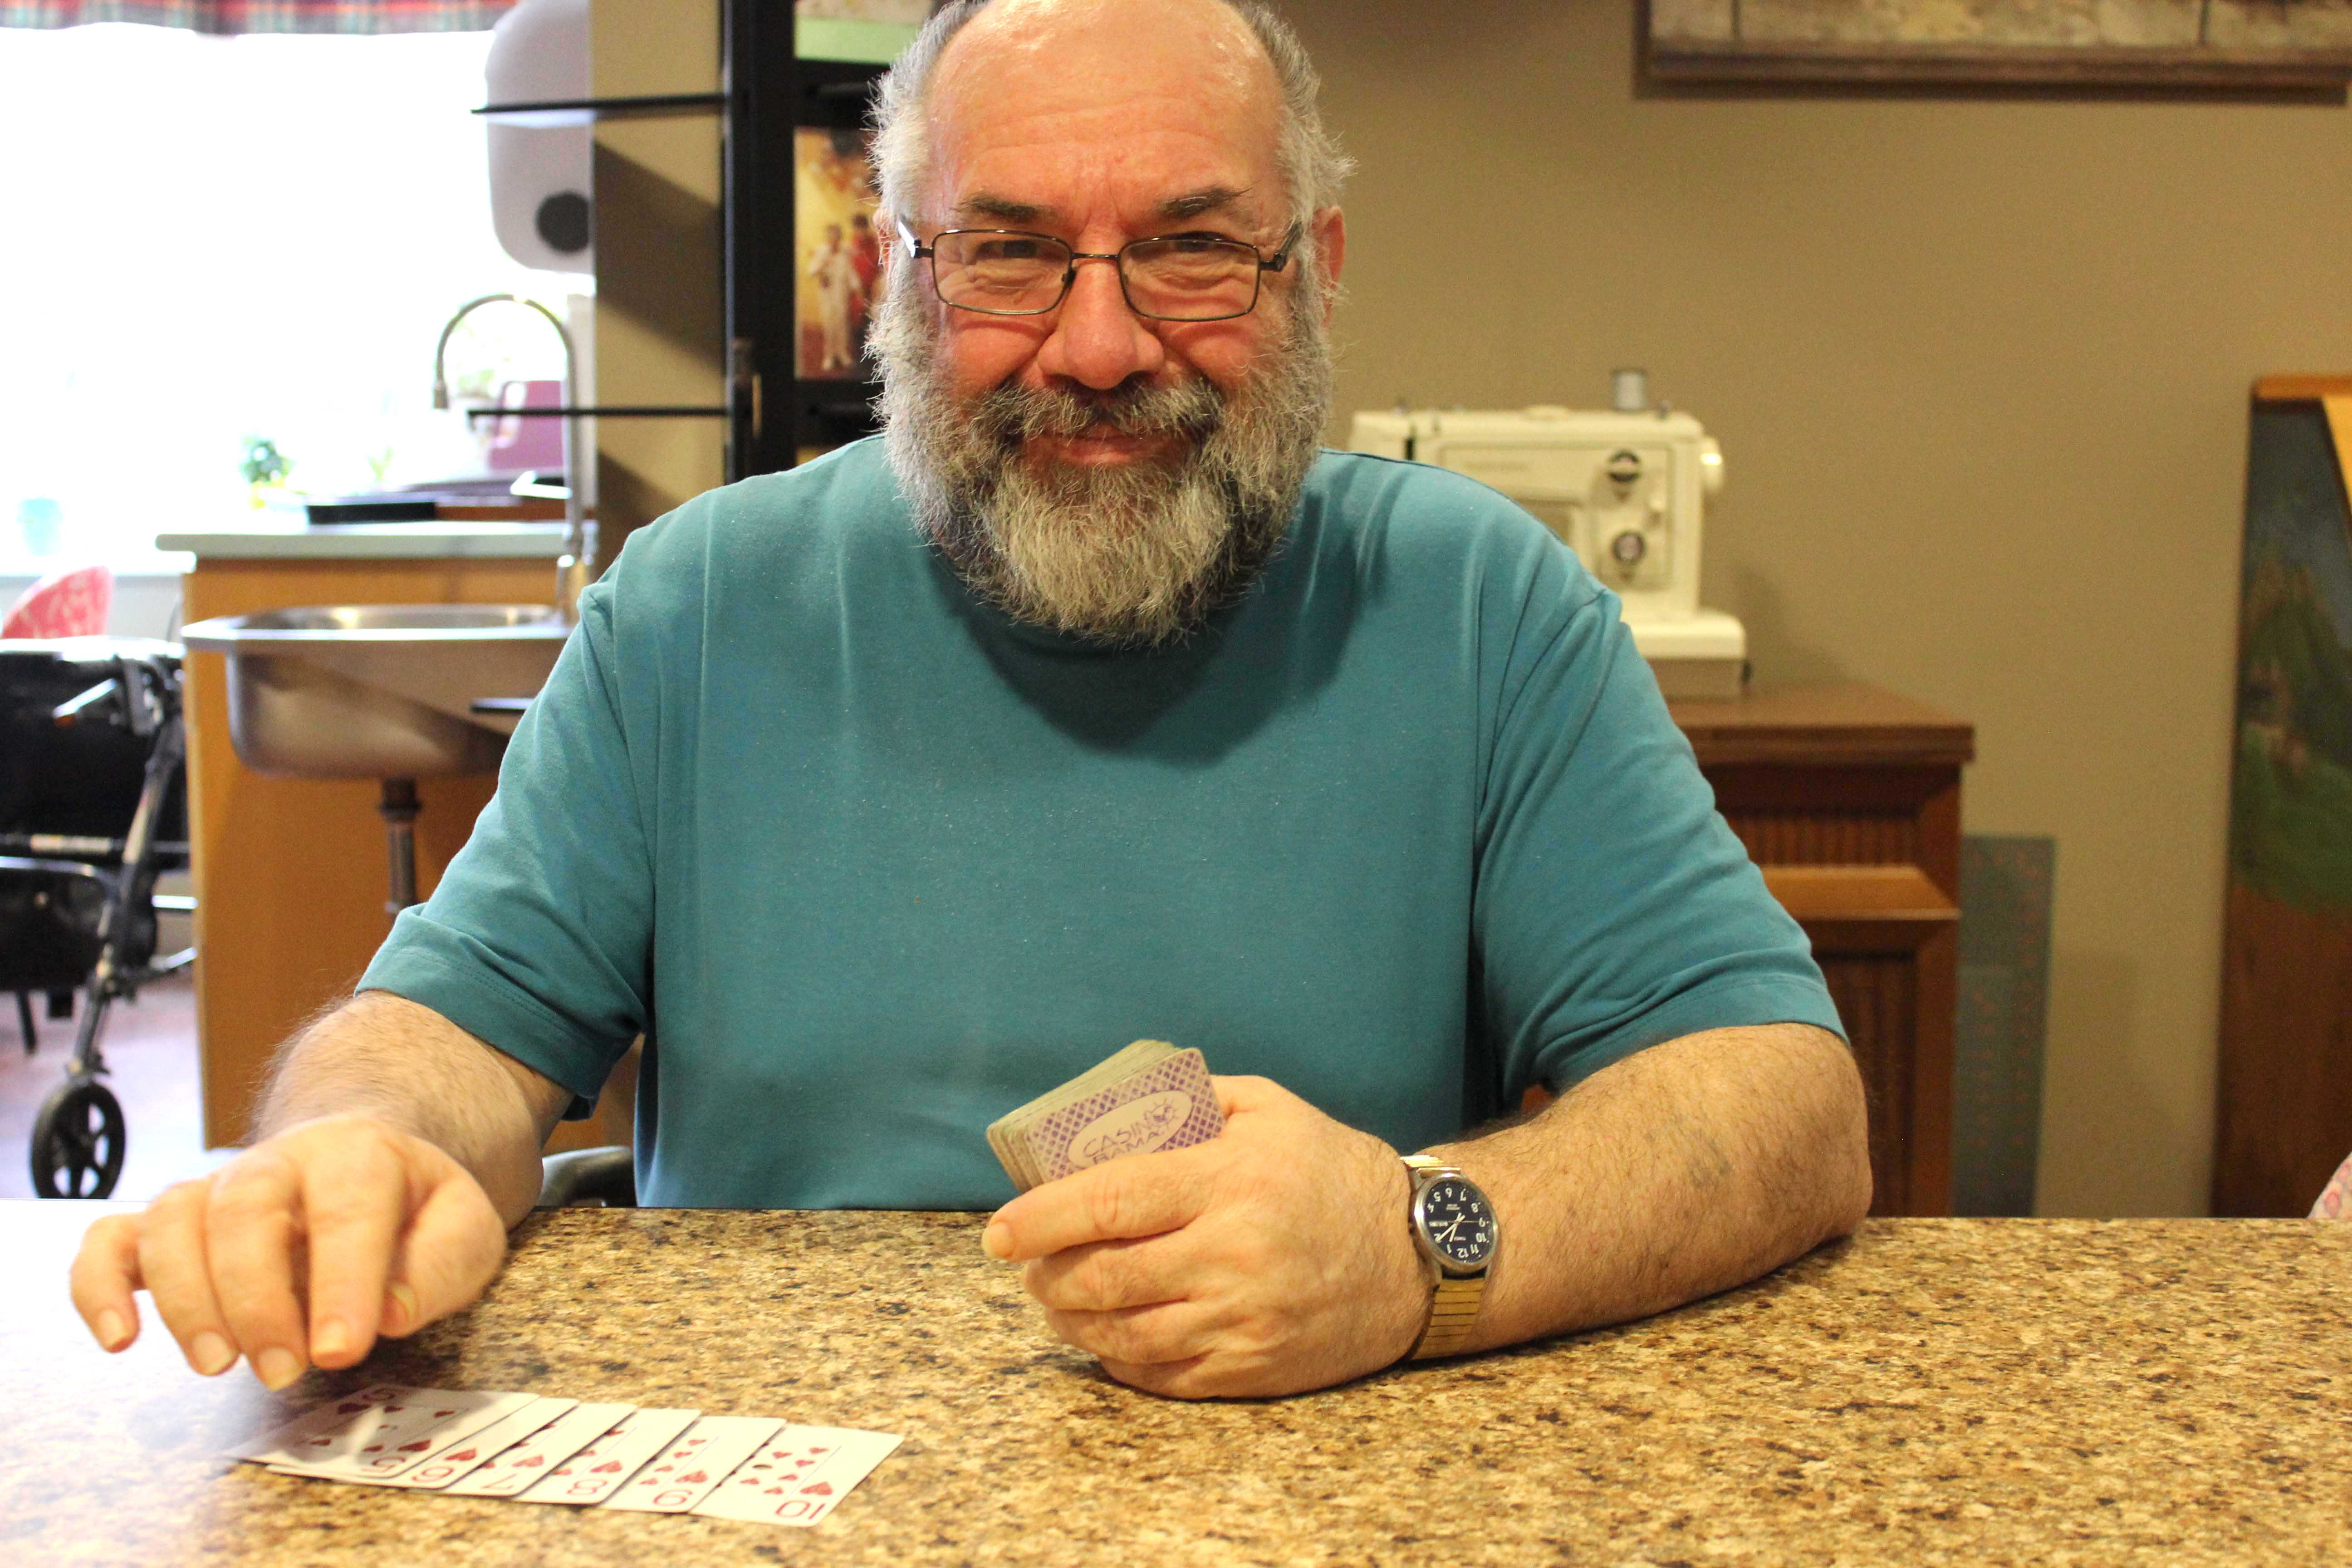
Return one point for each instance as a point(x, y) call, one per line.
point(333, 1338)
point(277, 1367)
point(997, 1241)
point(211, 1355)
point(403, 1311)
point(111, 1330)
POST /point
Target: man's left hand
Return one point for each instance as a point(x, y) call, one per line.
point(1272, 1258)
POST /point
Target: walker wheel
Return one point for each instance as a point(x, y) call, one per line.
point(78, 1137)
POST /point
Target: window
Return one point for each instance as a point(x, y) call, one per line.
point(211, 239)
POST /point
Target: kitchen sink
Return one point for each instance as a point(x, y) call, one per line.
point(379, 691)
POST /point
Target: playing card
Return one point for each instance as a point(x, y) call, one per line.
point(289, 1436)
point(691, 1468)
point(391, 1438)
point(457, 1462)
point(1169, 1105)
point(800, 1477)
point(604, 1466)
point(531, 1460)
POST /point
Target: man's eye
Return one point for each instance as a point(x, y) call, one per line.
point(1006, 250)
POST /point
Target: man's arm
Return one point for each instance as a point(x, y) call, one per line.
point(394, 1149)
point(1681, 1171)
point(1276, 1257)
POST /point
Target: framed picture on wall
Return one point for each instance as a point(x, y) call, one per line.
point(837, 255)
point(869, 30)
point(2275, 46)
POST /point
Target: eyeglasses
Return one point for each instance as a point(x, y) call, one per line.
point(1168, 278)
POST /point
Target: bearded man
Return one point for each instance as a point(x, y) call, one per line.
point(1090, 702)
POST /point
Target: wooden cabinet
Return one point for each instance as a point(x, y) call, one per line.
point(1848, 798)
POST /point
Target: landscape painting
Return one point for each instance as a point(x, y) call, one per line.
point(2286, 1078)
point(2292, 46)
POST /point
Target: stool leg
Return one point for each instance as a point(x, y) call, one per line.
point(398, 808)
point(24, 1022)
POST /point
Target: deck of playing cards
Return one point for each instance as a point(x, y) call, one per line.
point(1149, 1096)
point(539, 1450)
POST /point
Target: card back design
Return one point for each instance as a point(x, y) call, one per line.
point(1169, 1105)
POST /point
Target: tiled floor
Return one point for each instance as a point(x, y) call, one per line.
point(150, 1046)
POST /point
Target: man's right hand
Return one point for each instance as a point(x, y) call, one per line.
point(379, 1231)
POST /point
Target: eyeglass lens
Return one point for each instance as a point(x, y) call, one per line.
point(1183, 278)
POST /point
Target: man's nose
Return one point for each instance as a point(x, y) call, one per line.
point(1096, 341)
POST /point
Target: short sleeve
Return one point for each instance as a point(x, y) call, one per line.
point(1614, 908)
point(538, 939)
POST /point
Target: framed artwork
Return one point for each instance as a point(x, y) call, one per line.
point(2285, 1084)
point(837, 254)
point(872, 31)
point(2263, 46)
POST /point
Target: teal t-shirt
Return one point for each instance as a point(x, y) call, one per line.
point(868, 864)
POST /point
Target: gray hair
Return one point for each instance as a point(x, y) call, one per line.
point(1312, 167)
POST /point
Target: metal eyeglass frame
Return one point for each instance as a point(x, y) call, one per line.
point(1265, 264)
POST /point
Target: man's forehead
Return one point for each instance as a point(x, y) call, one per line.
point(1206, 201)
point(1173, 100)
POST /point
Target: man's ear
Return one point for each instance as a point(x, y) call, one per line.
point(885, 231)
point(1330, 226)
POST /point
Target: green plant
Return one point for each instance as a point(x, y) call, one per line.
point(264, 463)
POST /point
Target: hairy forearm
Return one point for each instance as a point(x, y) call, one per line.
point(1684, 1170)
point(383, 1057)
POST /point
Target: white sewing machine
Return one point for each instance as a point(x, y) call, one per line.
point(1625, 490)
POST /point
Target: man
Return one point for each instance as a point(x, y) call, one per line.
point(881, 797)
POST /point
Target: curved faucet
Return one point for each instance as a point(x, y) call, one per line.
point(574, 566)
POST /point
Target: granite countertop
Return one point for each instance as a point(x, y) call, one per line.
point(291, 539)
point(1930, 1392)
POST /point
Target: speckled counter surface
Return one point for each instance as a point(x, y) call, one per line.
point(1931, 1392)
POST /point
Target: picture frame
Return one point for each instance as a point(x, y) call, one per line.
point(836, 253)
point(2298, 47)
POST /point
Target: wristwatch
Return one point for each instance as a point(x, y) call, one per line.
point(1455, 1227)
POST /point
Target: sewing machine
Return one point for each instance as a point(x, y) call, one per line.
point(1625, 490)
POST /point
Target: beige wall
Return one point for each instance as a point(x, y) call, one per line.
point(661, 311)
point(1980, 371)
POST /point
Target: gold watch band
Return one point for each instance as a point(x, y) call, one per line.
point(1453, 1312)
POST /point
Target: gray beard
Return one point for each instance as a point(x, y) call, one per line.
point(1136, 555)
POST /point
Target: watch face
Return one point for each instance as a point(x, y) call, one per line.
point(1457, 1222)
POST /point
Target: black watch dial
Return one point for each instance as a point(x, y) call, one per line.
point(1457, 1222)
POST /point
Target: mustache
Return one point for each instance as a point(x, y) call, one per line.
point(1010, 415)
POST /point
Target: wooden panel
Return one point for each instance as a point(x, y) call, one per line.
point(1802, 839)
point(1900, 898)
point(291, 873)
point(2283, 1101)
point(1878, 1000)
point(1852, 815)
point(1897, 1009)
point(1814, 726)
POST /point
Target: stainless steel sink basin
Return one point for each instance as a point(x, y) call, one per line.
point(378, 691)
